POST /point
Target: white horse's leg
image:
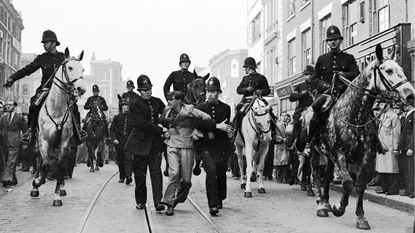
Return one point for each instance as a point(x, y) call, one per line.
point(263, 155)
point(241, 164)
point(249, 170)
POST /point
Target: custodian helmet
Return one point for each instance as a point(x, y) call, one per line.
point(125, 101)
point(49, 35)
point(130, 83)
point(143, 82)
point(250, 62)
point(213, 84)
point(183, 58)
point(309, 69)
point(95, 88)
point(333, 33)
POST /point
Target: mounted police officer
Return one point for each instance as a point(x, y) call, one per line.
point(130, 94)
point(146, 143)
point(252, 83)
point(99, 101)
point(214, 146)
point(181, 78)
point(49, 62)
point(335, 62)
point(121, 128)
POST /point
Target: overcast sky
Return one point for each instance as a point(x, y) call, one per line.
point(145, 36)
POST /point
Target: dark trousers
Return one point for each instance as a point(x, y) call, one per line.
point(140, 164)
point(121, 161)
point(215, 180)
point(269, 162)
point(403, 170)
point(389, 181)
point(409, 171)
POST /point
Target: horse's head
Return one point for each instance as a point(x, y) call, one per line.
point(72, 71)
point(389, 78)
point(196, 92)
point(261, 116)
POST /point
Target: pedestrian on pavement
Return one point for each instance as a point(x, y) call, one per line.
point(399, 109)
point(375, 181)
point(335, 62)
point(3, 150)
point(280, 149)
point(303, 93)
point(180, 78)
point(25, 152)
point(49, 62)
point(120, 130)
point(12, 125)
point(145, 143)
point(214, 146)
point(180, 150)
point(387, 164)
point(406, 146)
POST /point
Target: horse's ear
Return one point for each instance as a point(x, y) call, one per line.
point(119, 97)
point(81, 56)
point(195, 74)
point(379, 52)
point(206, 77)
point(392, 52)
point(67, 54)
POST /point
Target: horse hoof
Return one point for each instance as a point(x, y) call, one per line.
point(322, 213)
point(63, 193)
point(57, 202)
point(88, 163)
point(91, 170)
point(310, 193)
point(166, 173)
point(253, 178)
point(328, 207)
point(338, 211)
point(100, 164)
point(291, 181)
point(248, 194)
point(34, 193)
point(362, 223)
point(97, 168)
point(196, 171)
point(261, 190)
point(243, 186)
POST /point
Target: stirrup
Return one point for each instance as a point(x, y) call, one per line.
point(26, 138)
point(307, 150)
point(83, 135)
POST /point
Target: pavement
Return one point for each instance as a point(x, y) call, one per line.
point(403, 203)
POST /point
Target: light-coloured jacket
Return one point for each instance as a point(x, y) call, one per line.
point(181, 127)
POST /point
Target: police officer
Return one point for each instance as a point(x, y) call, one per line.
point(146, 143)
point(252, 83)
point(130, 94)
point(49, 62)
point(214, 146)
point(334, 62)
point(302, 94)
point(121, 128)
point(99, 101)
point(181, 78)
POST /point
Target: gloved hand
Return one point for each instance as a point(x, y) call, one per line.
point(250, 89)
point(258, 92)
point(8, 83)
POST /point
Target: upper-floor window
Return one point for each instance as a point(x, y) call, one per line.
point(254, 30)
point(291, 57)
point(306, 47)
point(101, 75)
point(351, 13)
point(324, 24)
point(291, 8)
point(304, 2)
point(380, 15)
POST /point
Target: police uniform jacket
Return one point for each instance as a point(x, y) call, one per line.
point(220, 147)
point(406, 140)
point(304, 100)
point(129, 94)
point(121, 128)
point(328, 63)
point(48, 62)
point(102, 104)
point(146, 133)
point(255, 80)
point(179, 79)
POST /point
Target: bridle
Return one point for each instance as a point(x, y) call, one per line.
point(196, 97)
point(254, 122)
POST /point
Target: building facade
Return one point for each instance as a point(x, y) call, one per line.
point(11, 26)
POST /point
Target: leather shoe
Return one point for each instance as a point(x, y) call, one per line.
point(380, 191)
point(139, 206)
point(121, 181)
point(392, 193)
point(404, 194)
point(5, 183)
point(411, 195)
point(128, 180)
point(169, 211)
point(160, 207)
point(213, 211)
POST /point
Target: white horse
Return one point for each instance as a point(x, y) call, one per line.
point(56, 125)
point(254, 136)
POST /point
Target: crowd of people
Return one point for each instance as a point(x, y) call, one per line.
point(146, 129)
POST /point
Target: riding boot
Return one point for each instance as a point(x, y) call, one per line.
point(236, 123)
point(311, 136)
point(31, 118)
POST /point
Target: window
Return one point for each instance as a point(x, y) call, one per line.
point(304, 2)
point(324, 24)
point(101, 75)
point(291, 57)
point(254, 30)
point(380, 15)
point(351, 12)
point(291, 8)
point(306, 47)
